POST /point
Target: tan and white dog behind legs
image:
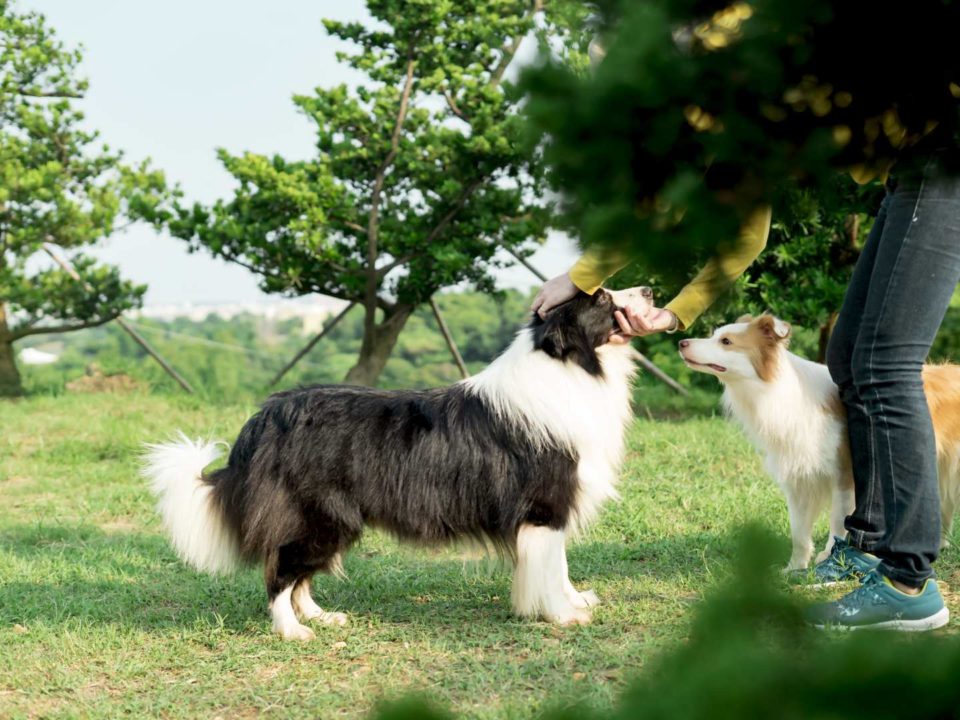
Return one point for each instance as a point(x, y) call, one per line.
point(791, 410)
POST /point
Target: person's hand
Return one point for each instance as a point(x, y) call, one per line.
point(637, 324)
point(553, 293)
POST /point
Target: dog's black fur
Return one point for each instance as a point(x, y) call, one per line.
point(317, 464)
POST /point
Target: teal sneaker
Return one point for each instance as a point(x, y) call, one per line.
point(878, 605)
point(845, 563)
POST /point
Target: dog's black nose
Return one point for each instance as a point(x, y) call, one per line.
point(646, 292)
point(684, 343)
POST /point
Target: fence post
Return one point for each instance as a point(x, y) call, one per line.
point(309, 346)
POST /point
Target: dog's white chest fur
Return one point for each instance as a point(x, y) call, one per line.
point(796, 422)
point(560, 403)
point(790, 419)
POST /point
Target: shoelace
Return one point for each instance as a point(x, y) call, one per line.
point(837, 553)
point(868, 591)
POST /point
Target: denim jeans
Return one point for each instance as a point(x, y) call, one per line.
point(897, 298)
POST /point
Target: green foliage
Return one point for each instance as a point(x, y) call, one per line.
point(751, 655)
point(58, 184)
point(237, 358)
point(814, 244)
point(802, 275)
point(421, 175)
point(701, 112)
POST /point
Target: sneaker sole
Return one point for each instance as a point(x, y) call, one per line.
point(828, 584)
point(937, 620)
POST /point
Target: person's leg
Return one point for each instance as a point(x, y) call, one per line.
point(864, 525)
point(916, 269)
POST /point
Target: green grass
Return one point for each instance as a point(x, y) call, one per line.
point(99, 619)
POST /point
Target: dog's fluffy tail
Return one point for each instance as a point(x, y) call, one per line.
point(187, 504)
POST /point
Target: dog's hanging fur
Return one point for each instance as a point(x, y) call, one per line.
point(519, 456)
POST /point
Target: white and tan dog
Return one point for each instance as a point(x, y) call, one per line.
point(791, 410)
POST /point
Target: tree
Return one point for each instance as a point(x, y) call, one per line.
point(704, 109)
point(814, 244)
point(421, 174)
point(58, 184)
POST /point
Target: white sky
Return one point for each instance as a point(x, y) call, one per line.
point(174, 80)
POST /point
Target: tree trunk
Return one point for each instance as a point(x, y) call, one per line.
point(10, 385)
point(825, 332)
point(378, 342)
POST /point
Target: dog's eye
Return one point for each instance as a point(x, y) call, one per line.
point(726, 341)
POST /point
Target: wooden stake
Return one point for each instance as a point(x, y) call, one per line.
point(451, 345)
point(648, 365)
point(310, 345)
point(71, 271)
point(523, 261)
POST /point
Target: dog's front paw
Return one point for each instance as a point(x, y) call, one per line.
point(574, 616)
point(822, 555)
point(318, 614)
point(334, 618)
point(295, 632)
point(590, 598)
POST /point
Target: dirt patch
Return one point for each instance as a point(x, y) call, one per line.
point(119, 525)
point(16, 481)
point(96, 381)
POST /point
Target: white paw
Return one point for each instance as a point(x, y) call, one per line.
point(295, 632)
point(333, 618)
point(581, 600)
point(823, 555)
point(793, 567)
point(590, 598)
point(574, 616)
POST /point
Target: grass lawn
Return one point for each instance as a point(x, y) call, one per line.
point(99, 619)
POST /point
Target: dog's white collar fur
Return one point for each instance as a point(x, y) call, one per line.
point(559, 403)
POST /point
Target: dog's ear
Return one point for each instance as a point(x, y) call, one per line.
point(772, 327)
point(549, 333)
point(550, 339)
point(745, 318)
point(560, 337)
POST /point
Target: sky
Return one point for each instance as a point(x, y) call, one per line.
point(173, 81)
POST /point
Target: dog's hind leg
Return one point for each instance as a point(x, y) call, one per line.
point(308, 609)
point(287, 572)
point(841, 505)
point(948, 506)
point(540, 577)
point(578, 598)
point(803, 506)
point(285, 623)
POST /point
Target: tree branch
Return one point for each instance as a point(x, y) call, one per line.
point(510, 51)
point(23, 92)
point(353, 226)
point(437, 229)
point(457, 207)
point(452, 104)
point(66, 327)
point(373, 223)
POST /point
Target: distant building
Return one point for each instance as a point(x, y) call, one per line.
point(32, 356)
point(312, 311)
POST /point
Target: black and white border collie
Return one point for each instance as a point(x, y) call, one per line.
point(519, 457)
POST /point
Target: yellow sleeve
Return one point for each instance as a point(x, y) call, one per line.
point(594, 267)
point(722, 270)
